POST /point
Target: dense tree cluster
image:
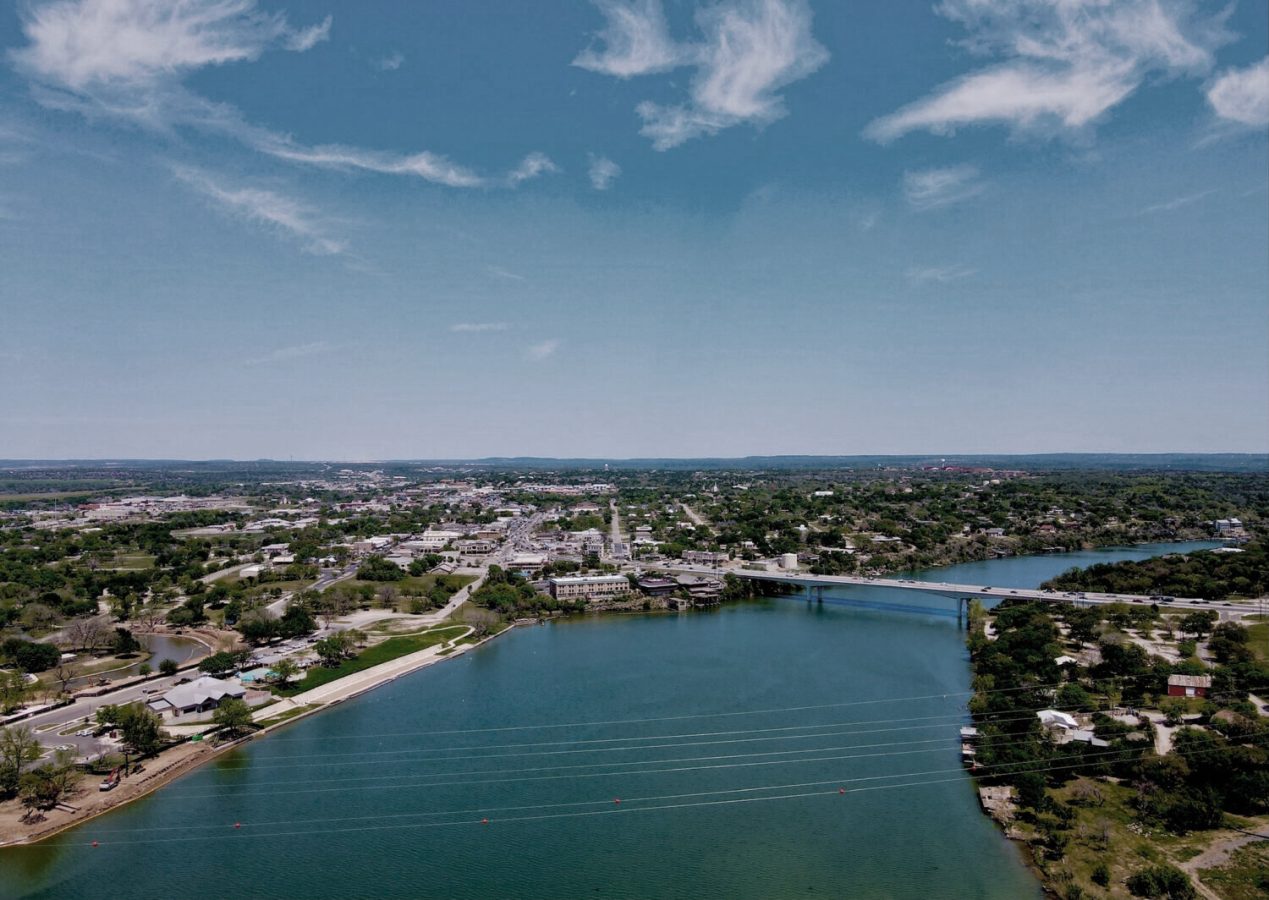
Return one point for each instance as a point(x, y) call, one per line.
point(28, 656)
point(1206, 574)
point(1217, 769)
point(376, 568)
point(510, 594)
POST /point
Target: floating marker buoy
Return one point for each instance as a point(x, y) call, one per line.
point(841, 790)
point(484, 821)
point(617, 800)
point(95, 843)
point(237, 824)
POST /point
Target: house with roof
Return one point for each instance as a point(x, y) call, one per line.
point(198, 696)
point(1189, 685)
point(1056, 720)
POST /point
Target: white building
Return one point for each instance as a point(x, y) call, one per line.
point(592, 587)
point(706, 557)
point(199, 695)
point(435, 540)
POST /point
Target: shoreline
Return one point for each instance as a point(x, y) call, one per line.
point(296, 708)
point(333, 694)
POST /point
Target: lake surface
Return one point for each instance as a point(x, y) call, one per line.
point(727, 735)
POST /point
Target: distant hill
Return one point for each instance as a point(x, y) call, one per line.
point(1139, 462)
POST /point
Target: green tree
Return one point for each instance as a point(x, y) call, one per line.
point(44, 787)
point(29, 656)
point(1161, 883)
point(1199, 623)
point(233, 716)
point(125, 644)
point(219, 663)
point(285, 669)
point(14, 690)
point(18, 747)
point(376, 568)
point(139, 727)
point(167, 667)
point(334, 649)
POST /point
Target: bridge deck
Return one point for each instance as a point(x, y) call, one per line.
point(949, 589)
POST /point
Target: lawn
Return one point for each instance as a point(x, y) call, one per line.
point(130, 562)
point(1259, 642)
point(257, 590)
point(288, 715)
point(417, 585)
point(386, 651)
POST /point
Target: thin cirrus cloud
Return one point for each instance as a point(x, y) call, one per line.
point(1060, 64)
point(939, 274)
point(280, 213)
point(1241, 96)
point(478, 327)
point(126, 59)
point(283, 354)
point(603, 172)
point(748, 51)
point(1177, 203)
point(504, 274)
point(542, 350)
point(934, 188)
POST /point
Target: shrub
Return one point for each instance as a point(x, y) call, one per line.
point(1161, 882)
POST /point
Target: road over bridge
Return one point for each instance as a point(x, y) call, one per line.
point(965, 591)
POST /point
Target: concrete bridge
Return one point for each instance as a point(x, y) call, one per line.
point(815, 584)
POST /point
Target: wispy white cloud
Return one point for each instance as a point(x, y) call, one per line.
point(478, 327)
point(939, 274)
point(1062, 64)
point(283, 354)
point(308, 38)
point(283, 214)
point(84, 44)
point(636, 41)
point(931, 188)
point(748, 51)
point(126, 60)
point(391, 62)
point(504, 274)
point(542, 349)
point(1177, 202)
point(1242, 95)
point(531, 167)
point(603, 172)
point(428, 166)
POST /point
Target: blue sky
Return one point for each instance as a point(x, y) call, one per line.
point(377, 229)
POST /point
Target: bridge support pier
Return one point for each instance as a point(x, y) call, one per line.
point(962, 605)
point(815, 592)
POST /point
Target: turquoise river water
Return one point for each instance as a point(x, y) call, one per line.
point(728, 736)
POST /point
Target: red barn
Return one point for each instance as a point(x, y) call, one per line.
point(1189, 685)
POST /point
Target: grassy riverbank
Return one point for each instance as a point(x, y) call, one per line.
point(386, 651)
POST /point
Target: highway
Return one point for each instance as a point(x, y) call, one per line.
point(947, 589)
